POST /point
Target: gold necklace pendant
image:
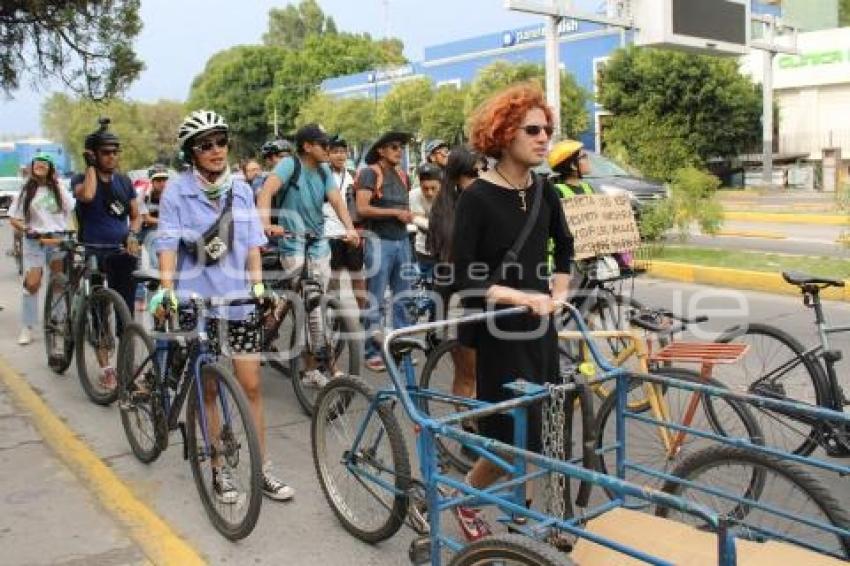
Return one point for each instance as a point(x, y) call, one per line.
point(522, 199)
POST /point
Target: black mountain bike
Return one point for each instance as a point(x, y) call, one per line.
point(290, 346)
point(780, 367)
point(83, 316)
point(157, 377)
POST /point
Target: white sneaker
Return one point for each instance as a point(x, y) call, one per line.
point(314, 378)
point(273, 487)
point(25, 337)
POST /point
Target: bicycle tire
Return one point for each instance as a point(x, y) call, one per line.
point(107, 298)
point(338, 325)
point(739, 423)
point(450, 452)
point(56, 327)
point(135, 407)
point(700, 462)
point(508, 549)
point(345, 397)
point(232, 452)
point(812, 389)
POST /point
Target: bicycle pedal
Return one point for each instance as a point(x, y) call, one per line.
point(419, 551)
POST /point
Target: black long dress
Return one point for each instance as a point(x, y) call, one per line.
point(488, 220)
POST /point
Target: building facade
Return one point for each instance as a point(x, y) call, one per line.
point(15, 156)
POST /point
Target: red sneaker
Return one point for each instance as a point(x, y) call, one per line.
point(472, 523)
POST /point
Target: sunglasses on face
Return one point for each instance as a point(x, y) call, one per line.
point(534, 130)
point(208, 145)
point(114, 151)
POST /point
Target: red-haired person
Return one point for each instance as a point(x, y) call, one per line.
point(514, 128)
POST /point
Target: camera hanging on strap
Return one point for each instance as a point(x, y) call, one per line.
point(217, 240)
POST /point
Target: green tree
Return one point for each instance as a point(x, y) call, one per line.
point(401, 109)
point(162, 119)
point(301, 72)
point(351, 118)
point(501, 74)
point(673, 110)
point(236, 83)
point(844, 13)
point(442, 116)
point(68, 120)
point(289, 27)
point(86, 44)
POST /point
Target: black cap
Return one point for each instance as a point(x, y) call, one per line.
point(388, 138)
point(312, 133)
point(337, 141)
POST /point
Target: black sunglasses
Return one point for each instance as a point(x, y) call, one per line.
point(207, 145)
point(535, 129)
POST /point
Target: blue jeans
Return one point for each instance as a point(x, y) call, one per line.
point(388, 263)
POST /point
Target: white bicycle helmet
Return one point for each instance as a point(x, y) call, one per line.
point(197, 123)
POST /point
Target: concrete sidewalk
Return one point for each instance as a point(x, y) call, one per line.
point(46, 515)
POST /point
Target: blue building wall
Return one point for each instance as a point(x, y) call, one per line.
point(582, 44)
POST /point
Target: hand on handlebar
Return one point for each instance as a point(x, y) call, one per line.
point(163, 303)
point(352, 238)
point(540, 304)
point(274, 231)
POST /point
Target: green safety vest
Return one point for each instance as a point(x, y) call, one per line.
point(566, 191)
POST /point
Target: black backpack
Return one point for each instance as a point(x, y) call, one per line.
point(217, 240)
point(277, 203)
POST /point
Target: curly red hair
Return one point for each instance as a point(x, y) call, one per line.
point(494, 124)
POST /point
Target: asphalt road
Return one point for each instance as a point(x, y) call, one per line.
point(305, 531)
point(803, 239)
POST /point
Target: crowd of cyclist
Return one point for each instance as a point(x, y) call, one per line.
point(464, 210)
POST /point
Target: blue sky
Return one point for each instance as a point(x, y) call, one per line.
point(180, 35)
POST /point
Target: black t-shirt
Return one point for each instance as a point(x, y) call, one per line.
point(394, 196)
point(96, 224)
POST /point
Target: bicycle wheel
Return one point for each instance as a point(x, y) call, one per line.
point(339, 352)
point(350, 473)
point(775, 367)
point(786, 486)
point(645, 445)
point(221, 439)
point(139, 394)
point(509, 550)
point(280, 347)
point(99, 322)
point(58, 339)
point(438, 374)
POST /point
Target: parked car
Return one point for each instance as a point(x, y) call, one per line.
point(606, 177)
point(9, 188)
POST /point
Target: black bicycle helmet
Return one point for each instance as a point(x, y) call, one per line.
point(274, 147)
point(102, 136)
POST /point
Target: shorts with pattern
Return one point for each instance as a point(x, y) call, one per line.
point(243, 336)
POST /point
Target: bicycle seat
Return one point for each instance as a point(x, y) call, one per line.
point(804, 280)
point(146, 276)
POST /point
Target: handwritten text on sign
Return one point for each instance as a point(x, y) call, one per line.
point(601, 224)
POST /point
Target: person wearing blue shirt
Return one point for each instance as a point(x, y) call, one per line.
point(297, 204)
point(224, 264)
point(107, 208)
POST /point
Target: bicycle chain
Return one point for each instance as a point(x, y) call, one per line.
point(554, 445)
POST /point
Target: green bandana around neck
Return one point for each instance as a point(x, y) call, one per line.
point(216, 188)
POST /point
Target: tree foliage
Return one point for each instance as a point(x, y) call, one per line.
point(501, 74)
point(401, 109)
point(236, 83)
point(673, 110)
point(148, 132)
point(442, 116)
point(291, 26)
point(86, 44)
point(844, 13)
point(351, 118)
point(301, 72)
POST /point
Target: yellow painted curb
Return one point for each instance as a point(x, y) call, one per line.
point(752, 234)
point(160, 544)
point(737, 279)
point(777, 218)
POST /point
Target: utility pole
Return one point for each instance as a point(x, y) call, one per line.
point(770, 48)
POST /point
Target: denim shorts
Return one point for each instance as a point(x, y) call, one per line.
point(37, 254)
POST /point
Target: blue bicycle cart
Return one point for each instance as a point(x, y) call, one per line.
point(365, 471)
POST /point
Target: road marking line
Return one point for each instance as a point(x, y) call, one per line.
point(753, 234)
point(157, 540)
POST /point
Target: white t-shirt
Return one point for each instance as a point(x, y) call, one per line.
point(421, 209)
point(46, 215)
point(333, 225)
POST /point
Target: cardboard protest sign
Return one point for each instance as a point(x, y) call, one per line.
point(601, 224)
